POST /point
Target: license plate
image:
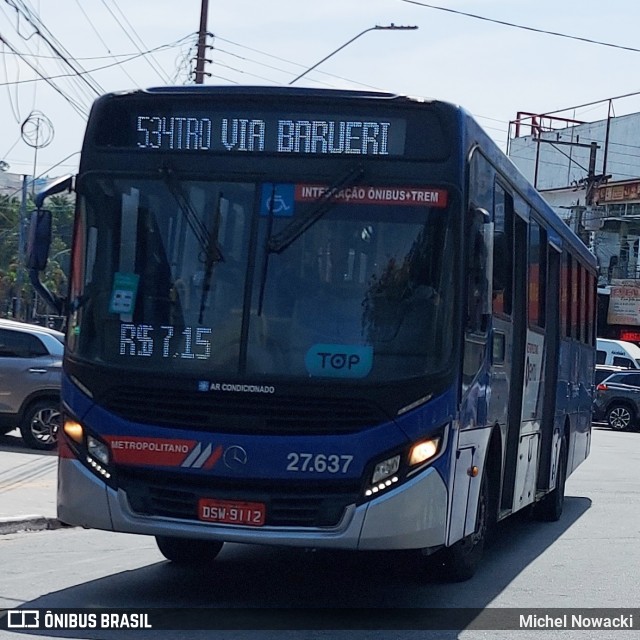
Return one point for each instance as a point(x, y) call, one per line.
point(232, 512)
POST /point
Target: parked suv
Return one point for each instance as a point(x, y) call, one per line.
point(603, 371)
point(617, 400)
point(30, 373)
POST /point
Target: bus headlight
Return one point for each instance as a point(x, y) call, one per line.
point(385, 469)
point(423, 451)
point(383, 475)
point(88, 449)
point(97, 450)
point(74, 430)
point(98, 457)
point(402, 465)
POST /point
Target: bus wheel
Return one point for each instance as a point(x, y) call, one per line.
point(460, 561)
point(549, 509)
point(619, 417)
point(187, 550)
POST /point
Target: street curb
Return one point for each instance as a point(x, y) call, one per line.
point(29, 523)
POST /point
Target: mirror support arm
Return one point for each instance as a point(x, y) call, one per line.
point(63, 184)
point(40, 238)
point(55, 302)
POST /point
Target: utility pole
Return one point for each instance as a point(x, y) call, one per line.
point(17, 309)
point(202, 43)
point(581, 216)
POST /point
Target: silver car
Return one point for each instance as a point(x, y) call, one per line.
point(30, 375)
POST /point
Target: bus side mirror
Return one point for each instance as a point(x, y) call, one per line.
point(37, 255)
point(480, 261)
point(39, 240)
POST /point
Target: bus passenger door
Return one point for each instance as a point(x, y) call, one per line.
point(537, 376)
point(516, 354)
point(550, 382)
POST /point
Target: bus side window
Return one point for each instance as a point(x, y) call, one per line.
point(480, 255)
point(502, 251)
point(478, 260)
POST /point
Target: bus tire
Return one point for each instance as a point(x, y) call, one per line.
point(549, 509)
point(187, 550)
point(460, 561)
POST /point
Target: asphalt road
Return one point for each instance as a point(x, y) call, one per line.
point(589, 559)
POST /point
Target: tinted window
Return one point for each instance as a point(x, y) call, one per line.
point(537, 274)
point(565, 296)
point(624, 378)
point(503, 252)
point(16, 344)
point(619, 361)
point(601, 375)
point(377, 278)
point(601, 357)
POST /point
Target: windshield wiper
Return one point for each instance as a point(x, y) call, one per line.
point(280, 241)
point(207, 238)
point(212, 258)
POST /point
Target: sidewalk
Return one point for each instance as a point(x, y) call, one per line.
point(27, 487)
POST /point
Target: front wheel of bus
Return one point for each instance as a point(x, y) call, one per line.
point(460, 561)
point(187, 550)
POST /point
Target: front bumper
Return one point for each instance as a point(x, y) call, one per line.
point(411, 516)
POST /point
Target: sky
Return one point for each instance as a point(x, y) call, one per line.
point(492, 69)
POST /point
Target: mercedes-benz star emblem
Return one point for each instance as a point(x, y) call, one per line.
point(235, 457)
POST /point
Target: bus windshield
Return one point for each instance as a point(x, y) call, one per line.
point(188, 277)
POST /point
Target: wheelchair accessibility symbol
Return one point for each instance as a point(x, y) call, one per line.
point(277, 204)
point(277, 200)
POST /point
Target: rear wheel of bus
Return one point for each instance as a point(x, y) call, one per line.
point(188, 550)
point(549, 509)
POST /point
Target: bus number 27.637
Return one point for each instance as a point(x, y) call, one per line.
point(318, 462)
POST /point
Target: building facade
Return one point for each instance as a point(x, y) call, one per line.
point(590, 174)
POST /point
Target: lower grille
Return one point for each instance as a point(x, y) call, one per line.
point(242, 413)
point(287, 504)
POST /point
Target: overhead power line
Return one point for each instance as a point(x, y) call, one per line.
point(54, 44)
point(97, 32)
point(132, 56)
point(522, 26)
point(154, 65)
point(78, 108)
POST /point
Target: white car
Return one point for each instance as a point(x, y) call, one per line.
point(30, 377)
point(618, 353)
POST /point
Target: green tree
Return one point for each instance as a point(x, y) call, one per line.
point(14, 279)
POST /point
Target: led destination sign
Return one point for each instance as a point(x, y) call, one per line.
point(308, 135)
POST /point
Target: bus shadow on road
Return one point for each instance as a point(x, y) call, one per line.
point(284, 580)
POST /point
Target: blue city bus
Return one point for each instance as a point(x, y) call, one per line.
point(316, 318)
